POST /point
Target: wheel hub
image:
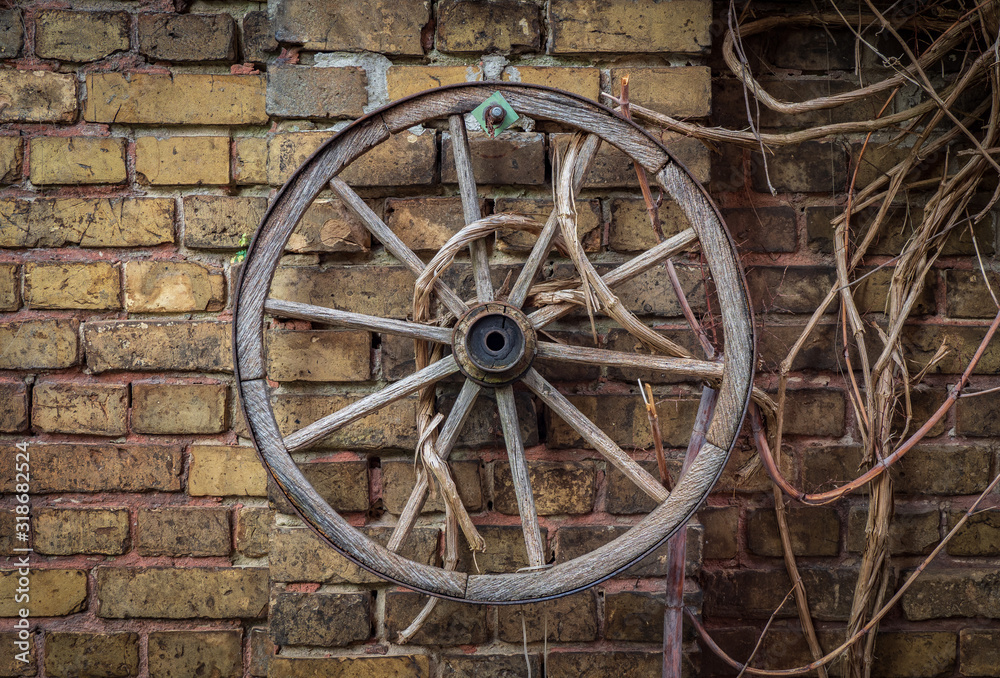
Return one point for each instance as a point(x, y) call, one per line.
point(494, 344)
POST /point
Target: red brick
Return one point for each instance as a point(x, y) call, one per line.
point(97, 468)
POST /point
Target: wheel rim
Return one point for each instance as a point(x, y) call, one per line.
point(251, 305)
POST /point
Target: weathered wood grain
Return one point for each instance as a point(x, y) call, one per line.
point(359, 321)
point(519, 475)
point(478, 249)
point(316, 431)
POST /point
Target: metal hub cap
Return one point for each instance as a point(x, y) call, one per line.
point(494, 344)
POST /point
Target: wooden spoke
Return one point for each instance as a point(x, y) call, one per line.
point(543, 244)
point(252, 310)
point(446, 440)
point(700, 369)
point(630, 269)
point(323, 427)
point(393, 244)
point(519, 474)
point(358, 321)
point(470, 205)
point(558, 403)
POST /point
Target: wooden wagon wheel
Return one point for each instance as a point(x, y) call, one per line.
point(493, 345)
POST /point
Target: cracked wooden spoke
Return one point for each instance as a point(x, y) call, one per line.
point(393, 244)
point(445, 442)
point(369, 404)
point(358, 321)
point(628, 270)
point(543, 244)
point(519, 476)
point(558, 403)
point(478, 249)
point(699, 369)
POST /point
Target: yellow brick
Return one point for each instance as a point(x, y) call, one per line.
point(630, 26)
point(249, 161)
point(94, 286)
point(10, 159)
point(37, 96)
point(42, 344)
point(172, 287)
point(318, 355)
point(583, 81)
point(94, 409)
point(680, 92)
point(178, 161)
point(54, 593)
point(424, 224)
point(101, 222)
point(10, 287)
point(406, 80)
point(178, 408)
point(80, 36)
point(285, 152)
point(177, 99)
point(77, 160)
point(219, 471)
point(403, 159)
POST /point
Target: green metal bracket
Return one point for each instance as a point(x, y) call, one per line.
point(488, 115)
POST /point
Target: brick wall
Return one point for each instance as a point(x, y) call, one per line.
point(138, 148)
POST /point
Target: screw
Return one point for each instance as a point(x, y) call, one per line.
point(495, 114)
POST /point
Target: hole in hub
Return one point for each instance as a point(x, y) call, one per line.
point(495, 341)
